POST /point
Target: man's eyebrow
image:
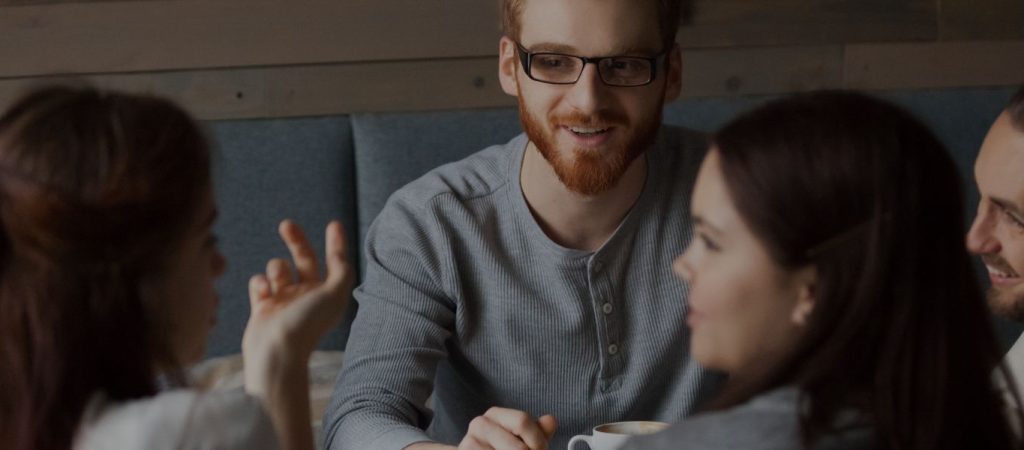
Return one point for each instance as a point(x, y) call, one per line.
point(551, 47)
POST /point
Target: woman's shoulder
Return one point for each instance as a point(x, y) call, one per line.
point(178, 419)
point(768, 422)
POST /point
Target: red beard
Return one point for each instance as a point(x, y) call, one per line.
point(588, 172)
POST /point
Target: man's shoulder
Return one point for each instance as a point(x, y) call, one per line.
point(480, 174)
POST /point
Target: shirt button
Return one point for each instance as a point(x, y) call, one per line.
point(607, 308)
point(613, 349)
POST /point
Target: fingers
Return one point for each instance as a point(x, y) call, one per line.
point(301, 251)
point(486, 433)
point(471, 443)
point(279, 274)
point(336, 250)
point(259, 289)
point(520, 425)
point(548, 424)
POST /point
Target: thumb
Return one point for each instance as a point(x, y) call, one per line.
point(548, 424)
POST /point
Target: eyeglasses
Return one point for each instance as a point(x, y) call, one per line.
point(558, 68)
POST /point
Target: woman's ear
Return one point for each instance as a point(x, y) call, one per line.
point(807, 279)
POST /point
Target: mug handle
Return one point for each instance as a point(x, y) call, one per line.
point(580, 438)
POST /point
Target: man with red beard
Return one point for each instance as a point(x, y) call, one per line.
point(997, 234)
point(529, 286)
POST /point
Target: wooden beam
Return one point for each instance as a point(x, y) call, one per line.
point(285, 91)
point(769, 70)
point(726, 23)
point(934, 65)
point(306, 90)
point(138, 36)
point(326, 89)
point(962, 20)
point(159, 35)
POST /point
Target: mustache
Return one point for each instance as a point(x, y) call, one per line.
point(589, 120)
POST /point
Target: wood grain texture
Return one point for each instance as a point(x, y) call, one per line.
point(934, 65)
point(136, 36)
point(727, 23)
point(323, 89)
point(286, 91)
point(719, 72)
point(961, 20)
point(201, 34)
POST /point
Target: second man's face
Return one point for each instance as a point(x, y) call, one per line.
point(588, 131)
point(997, 234)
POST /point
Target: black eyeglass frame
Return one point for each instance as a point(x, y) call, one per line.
point(526, 59)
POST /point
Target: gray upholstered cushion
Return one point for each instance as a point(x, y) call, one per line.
point(394, 149)
point(707, 114)
point(265, 171)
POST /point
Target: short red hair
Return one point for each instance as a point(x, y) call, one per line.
point(669, 13)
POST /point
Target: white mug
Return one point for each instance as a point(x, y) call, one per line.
point(611, 436)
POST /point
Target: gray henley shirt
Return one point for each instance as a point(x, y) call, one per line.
point(466, 298)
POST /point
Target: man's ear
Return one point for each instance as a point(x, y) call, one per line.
point(806, 295)
point(508, 66)
point(673, 74)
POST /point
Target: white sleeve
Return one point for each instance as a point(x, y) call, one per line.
point(226, 420)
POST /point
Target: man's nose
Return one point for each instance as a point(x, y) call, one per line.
point(980, 238)
point(587, 94)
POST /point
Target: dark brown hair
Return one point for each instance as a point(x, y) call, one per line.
point(96, 190)
point(1016, 109)
point(669, 14)
point(863, 192)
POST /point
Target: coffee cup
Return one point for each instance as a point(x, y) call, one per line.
point(611, 436)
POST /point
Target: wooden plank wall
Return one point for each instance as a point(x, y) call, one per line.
point(270, 58)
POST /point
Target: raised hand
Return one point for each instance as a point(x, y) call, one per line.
point(291, 311)
point(292, 307)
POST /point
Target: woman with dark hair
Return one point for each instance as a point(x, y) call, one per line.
point(107, 269)
point(829, 279)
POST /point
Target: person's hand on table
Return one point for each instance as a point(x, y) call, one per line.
point(503, 429)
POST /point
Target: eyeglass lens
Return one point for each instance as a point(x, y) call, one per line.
point(618, 71)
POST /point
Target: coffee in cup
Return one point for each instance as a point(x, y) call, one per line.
point(611, 436)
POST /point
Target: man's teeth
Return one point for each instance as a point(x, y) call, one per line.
point(1000, 273)
point(585, 130)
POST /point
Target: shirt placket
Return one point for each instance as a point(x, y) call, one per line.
point(609, 318)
